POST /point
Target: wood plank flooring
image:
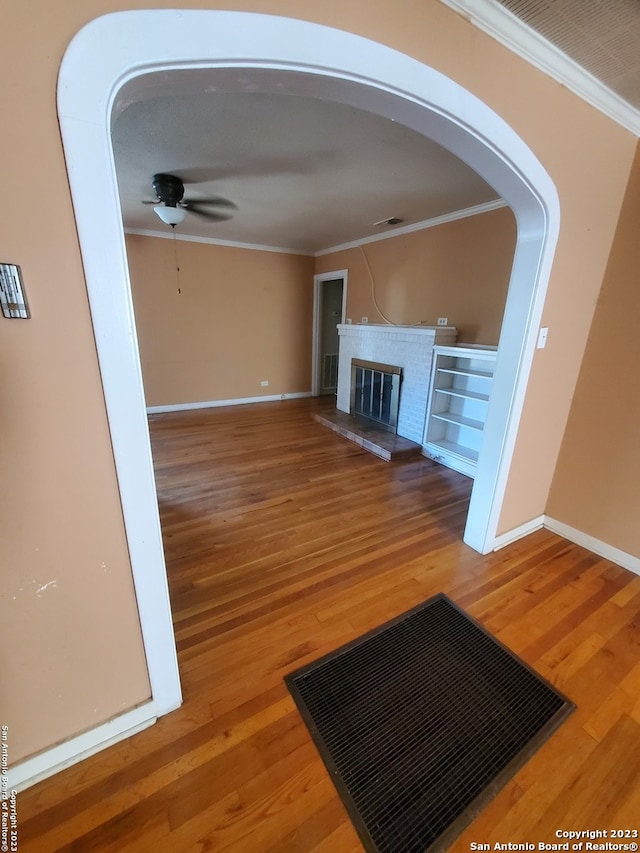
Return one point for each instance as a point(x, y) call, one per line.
point(284, 541)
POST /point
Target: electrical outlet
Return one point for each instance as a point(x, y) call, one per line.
point(365, 320)
point(265, 383)
point(442, 321)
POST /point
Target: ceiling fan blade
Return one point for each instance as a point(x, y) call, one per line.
point(211, 215)
point(216, 200)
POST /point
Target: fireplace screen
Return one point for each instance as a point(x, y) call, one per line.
point(375, 392)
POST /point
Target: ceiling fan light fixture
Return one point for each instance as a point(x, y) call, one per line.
point(170, 215)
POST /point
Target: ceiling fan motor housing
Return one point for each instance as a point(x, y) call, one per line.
point(168, 189)
point(169, 193)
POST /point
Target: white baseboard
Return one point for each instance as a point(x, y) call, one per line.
point(64, 755)
point(236, 401)
point(627, 561)
point(518, 532)
point(597, 546)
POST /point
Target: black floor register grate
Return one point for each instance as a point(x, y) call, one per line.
point(420, 722)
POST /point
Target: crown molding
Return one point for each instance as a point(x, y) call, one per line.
point(395, 232)
point(188, 238)
point(477, 209)
point(493, 19)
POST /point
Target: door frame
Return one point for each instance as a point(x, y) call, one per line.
point(103, 71)
point(316, 354)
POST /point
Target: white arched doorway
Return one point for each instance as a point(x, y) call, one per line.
point(124, 57)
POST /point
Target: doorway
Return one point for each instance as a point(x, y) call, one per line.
point(329, 310)
point(101, 73)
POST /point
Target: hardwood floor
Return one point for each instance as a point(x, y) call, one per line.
point(284, 541)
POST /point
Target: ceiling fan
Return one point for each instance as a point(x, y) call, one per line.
point(171, 206)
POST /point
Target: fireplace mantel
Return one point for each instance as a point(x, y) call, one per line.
point(408, 347)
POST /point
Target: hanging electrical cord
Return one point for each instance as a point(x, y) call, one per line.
point(373, 294)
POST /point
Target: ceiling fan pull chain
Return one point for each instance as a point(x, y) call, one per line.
point(175, 258)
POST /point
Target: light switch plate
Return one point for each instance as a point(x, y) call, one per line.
point(542, 337)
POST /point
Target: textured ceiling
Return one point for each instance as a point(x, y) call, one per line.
point(602, 36)
point(307, 174)
point(301, 173)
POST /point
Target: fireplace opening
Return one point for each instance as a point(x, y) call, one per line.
point(375, 392)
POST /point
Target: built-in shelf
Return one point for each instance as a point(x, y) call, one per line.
point(459, 420)
point(483, 374)
point(459, 393)
point(462, 392)
point(465, 454)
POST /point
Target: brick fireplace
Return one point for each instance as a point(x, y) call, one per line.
point(407, 347)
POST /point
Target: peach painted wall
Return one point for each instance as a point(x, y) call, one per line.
point(74, 647)
point(459, 270)
point(596, 487)
point(242, 316)
point(71, 647)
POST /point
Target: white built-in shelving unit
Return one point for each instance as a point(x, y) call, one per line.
point(461, 378)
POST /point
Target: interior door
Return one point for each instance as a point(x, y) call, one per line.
point(330, 317)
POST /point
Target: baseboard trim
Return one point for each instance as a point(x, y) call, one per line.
point(235, 401)
point(518, 532)
point(578, 537)
point(621, 558)
point(51, 761)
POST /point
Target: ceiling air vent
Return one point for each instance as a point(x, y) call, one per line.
point(392, 220)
